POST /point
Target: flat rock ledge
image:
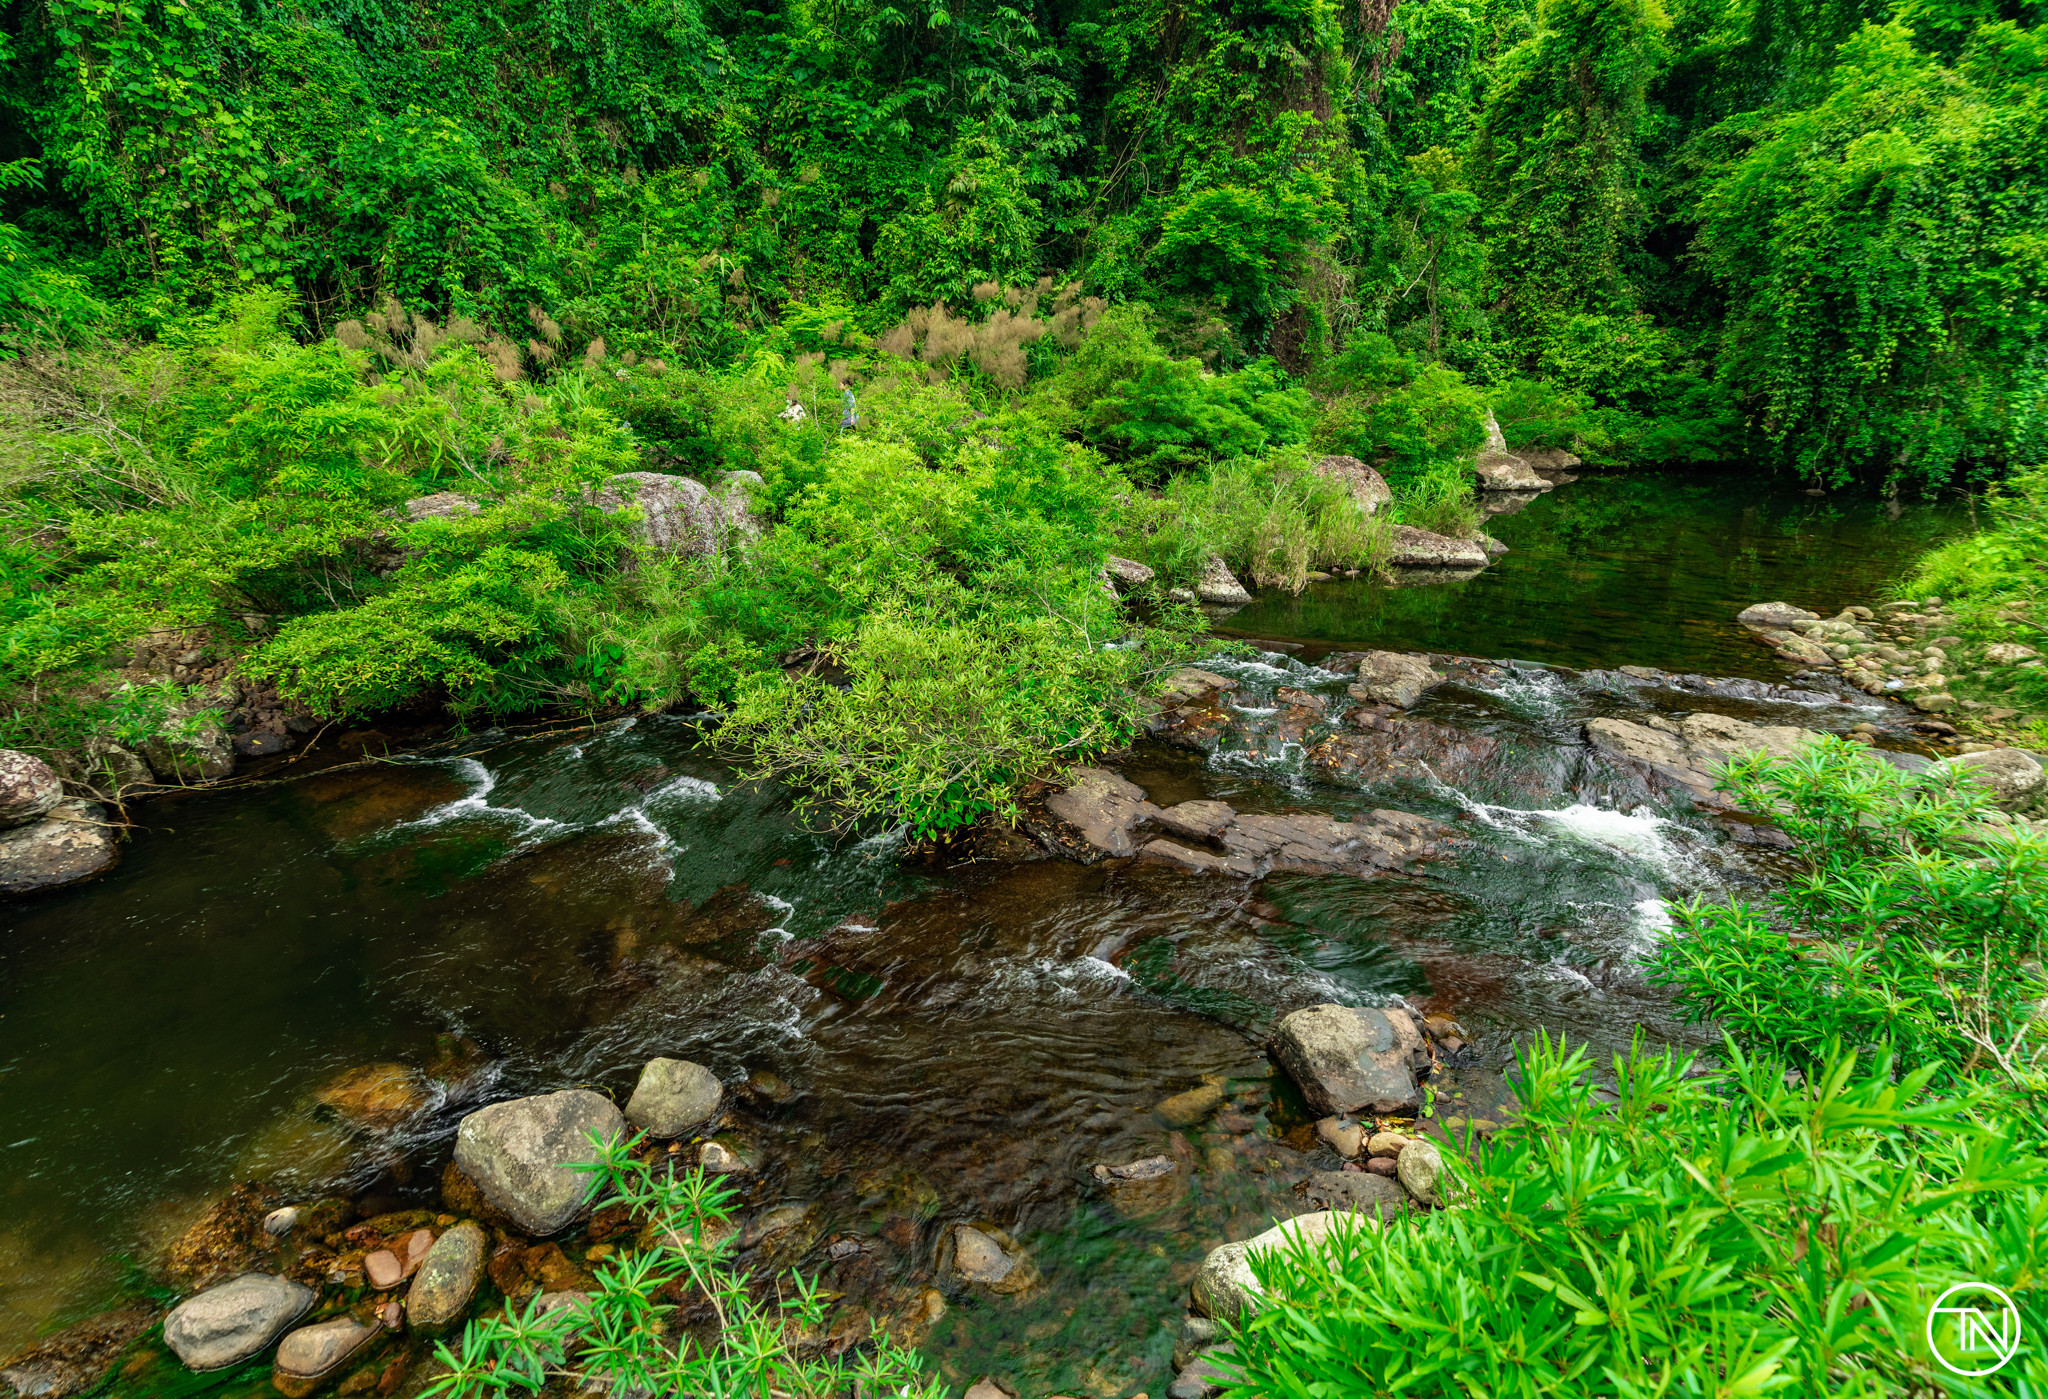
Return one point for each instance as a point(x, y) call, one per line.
point(1418, 548)
point(1103, 815)
point(1685, 754)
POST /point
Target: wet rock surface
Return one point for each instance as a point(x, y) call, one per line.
point(77, 1359)
point(71, 843)
point(1687, 753)
point(674, 1096)
point(1418, 548)
point(228, 1324)
point(520, 1155)
point(1352, 1059)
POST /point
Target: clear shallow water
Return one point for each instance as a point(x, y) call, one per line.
point(1614, 570)
point(963, 1044)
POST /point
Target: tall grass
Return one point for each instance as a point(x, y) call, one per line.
point(1272, 519)
point(1996, 582)
point(1440, 502)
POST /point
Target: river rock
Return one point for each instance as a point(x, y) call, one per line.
point(1495, 468)
point(226, 1325)
point(374, 1095)
point(191, 745)
point(1360, 1192)
point(1342, 1135)
point(1141, 1187)
point(1687, 754)
point(676, 516)
point(987, 1258)
point(519, 1155)
point(1367, 488)
point(1385, 748)
point(1418, 548)
point(1102, 809)
point(1127, 574)
point(310, 1354)
point(1420, 1167)
point(1186, 1109)
point(1388, 677)
point(2013, 778)
point(1201, 820)
point(1386, 1144)
point(1307, 843)
point(1201, 1377)
point(1225, 1286)
point(1190, 711)
point(64, 847)
point(1352, 1059)
point(1218, 586)
point(447, 1280)
point(673, 1097)
point(29, 788)
point(1197, 1334)
point(1548, 458)
point(1780, 615)
point(2009, 653)
point(75, 1360)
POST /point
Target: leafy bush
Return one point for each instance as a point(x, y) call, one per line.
point(1409, 422)
point(1916, 922)
point(670, 1316)
point(1995, 581)
point(1734, 1233)
point(1442, 503)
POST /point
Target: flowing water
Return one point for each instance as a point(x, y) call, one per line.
point(926, 1045)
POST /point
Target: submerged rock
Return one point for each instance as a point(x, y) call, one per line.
point(1385, 748)
point(673, 1097)
point(519, 1154)
point(987, 1258)
point(374, 1095)
point(1418, 548)
point(75, 1360)
point(1359, 1192)
point(228, 1324)
point(310, 1354)
point(69, 844)
point(1186, 1109)
point(29, 788)
point(1352, 1059)
point(1388, 677)
point(2012, 777)
point(1368, 489)
point(1142, 1187)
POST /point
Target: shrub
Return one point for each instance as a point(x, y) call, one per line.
point(1996, 581)
point(1272, 519)
point(1410, 422)
point(627, 1339)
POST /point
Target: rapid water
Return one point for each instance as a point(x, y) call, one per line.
point(528, 912)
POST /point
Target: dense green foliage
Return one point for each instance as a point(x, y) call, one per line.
point(1780, 1225)
point(1996, 579)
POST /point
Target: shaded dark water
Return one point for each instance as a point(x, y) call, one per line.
point(1631, 570)
point(960, 1045)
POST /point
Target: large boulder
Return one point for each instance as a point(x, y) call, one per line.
point(1225, 1286)
point(1388, 677)
point(2013, 778)
point(1418, 548)
point(228, 1324)
point(1218, 586)
point(673, 1097)
point(70, 844)
point(1690, 752)
point(520, 1155)
point(1367, 487)
point(670, 515)
point(1495, 468)
point(442, 1289)
point(1352, 1059)
point(29, 788)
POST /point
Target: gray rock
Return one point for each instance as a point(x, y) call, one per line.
point(519, 1154)
point(1225, 1287)
point(1189, 683)
point(314, 1352)
point(1196, 820)
point(442, 505)
point(1388, 677)
point(1418, 548)
point(1307, 843)
point(673, 1097)
point(1351, 1059)
point(672, 515)
point(228, 1324)
point(1197, 1334)
point(1367, 487)
point(1127, 573)
point(192, 746)
point(2013, 778)
point(1201, 1377)
point(1420, 1167)
point(29, 788)
point(1495, 468)
point(1687, 754)
point(447, 1280)
point(736, 490)
point(985, 1257)
point(1218, 586)
point(1103, 808)
point(1548, 458)
point(64, 847)
point(1358, 1191)
point(1775, 614)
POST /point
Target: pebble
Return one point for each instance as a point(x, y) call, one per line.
point(384, 1270)
point(1383, 1166)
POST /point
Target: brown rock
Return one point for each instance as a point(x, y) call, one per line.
point(374, 1095)
point(75, 1360)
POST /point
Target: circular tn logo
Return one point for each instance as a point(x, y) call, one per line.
point(1973, 1329)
